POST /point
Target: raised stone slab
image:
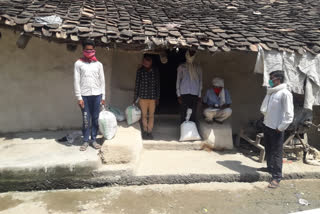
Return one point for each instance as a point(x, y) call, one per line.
point(202, 166)
point(154, 167)
point(37, 155)
point(217, 136)
point(125, 147)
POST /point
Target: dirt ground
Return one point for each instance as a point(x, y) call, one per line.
point(235, 198)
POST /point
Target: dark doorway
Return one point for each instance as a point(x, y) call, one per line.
point(168, 76)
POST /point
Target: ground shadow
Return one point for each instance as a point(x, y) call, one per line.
point(39, 134)
point(247, 173)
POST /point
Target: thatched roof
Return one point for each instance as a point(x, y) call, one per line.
point(213, 25)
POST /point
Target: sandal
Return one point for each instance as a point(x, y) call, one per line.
point(84, 146)
point(274, 184)
point(96, 145)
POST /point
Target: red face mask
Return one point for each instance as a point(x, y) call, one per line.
point(217, 91)
point(89, 55)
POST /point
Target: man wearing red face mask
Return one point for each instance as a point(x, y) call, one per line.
point(218, 101)
point(89, 86)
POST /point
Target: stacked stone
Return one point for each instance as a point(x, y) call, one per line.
point(207, 25)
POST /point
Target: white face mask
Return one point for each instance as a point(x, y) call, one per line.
point(189, 58)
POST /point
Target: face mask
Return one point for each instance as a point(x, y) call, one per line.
point(271, 83)
point(217, 90)
point(89, 53)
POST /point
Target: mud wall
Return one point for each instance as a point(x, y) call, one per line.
point(36, 84)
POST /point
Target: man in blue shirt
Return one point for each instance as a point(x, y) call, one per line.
point(218, 102)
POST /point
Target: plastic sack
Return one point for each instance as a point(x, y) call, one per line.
point(107, 124)
point(188, 129)
point(133, 114)
point(118, 113)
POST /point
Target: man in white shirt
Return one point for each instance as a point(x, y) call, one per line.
point(89, 86)
point(189, 86)
point(277, 108)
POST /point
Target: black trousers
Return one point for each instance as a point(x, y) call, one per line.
point(273, 141)
point(189, 101)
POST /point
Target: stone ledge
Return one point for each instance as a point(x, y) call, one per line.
point(216, 136)
point(125, 147)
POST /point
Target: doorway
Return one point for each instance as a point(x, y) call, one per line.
point(168, 77)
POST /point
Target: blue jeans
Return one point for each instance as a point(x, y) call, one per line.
point(90, 115)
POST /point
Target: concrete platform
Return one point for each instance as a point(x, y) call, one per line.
point(228, 165)
point(35, 161)
point(38, 154)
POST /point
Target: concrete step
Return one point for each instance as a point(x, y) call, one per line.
point(168, 162)
point(166, 134)
point(170, 167)
point(171, 145)
point(37, 154)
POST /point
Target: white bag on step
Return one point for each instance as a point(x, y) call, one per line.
point(107, 124)
point(133, 114)
point(188, 129)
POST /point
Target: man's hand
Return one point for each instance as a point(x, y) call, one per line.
point(81, 104)
point(103, 102)
point(157, 101)
point(278, 131)
point(199, 99)
point(180, 100)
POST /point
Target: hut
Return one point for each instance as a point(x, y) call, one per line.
point(40, 43)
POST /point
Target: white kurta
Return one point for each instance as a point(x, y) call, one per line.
point(88, 79)
point(277, 108)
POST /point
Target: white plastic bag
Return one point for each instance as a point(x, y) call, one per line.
point(107, 124)
point(188, 129)
point(118, 113)
point(133, 114)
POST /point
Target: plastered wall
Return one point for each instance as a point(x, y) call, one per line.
point(36, 84)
